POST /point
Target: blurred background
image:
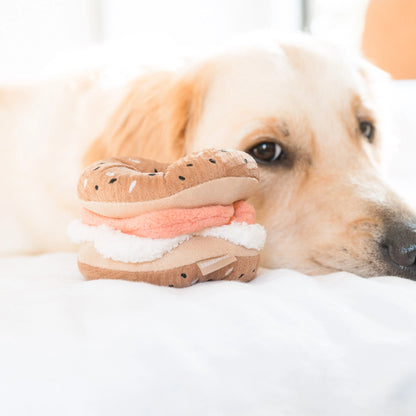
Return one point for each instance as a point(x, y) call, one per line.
point(32, 33)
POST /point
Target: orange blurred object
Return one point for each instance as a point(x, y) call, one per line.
point(389, 38)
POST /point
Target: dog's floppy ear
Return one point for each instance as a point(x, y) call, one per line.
point(154, 120)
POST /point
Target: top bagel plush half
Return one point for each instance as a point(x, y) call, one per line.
point(170, 225)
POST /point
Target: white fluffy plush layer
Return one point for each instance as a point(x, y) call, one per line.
point(127, 248)
point(123, 247)
point(246, 235)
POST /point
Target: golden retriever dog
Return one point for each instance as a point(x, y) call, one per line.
point(308, 113)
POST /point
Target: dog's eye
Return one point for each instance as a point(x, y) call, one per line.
point(367, 129)
point(266, 152)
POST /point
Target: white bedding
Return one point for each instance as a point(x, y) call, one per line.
point(284, 344)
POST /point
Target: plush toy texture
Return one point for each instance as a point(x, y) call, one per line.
point(171, 225)
point(171, 222)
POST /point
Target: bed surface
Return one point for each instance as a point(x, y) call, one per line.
point(284, 344)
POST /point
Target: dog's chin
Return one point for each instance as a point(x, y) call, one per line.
point(372, 264)
point(367, 267)
point(364, 267)
point(315, 267)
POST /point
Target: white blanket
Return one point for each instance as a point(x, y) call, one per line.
point(284, 344)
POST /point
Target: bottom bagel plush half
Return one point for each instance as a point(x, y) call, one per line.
point(170, 246)
point(229, 252)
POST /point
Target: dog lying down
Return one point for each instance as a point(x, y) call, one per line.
point(308, 114)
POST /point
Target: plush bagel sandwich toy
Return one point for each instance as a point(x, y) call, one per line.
point(172, 225)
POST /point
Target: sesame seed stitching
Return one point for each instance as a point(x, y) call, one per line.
point(228, 271)
point(132, 185)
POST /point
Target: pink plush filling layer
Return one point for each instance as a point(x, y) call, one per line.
point(172, 222)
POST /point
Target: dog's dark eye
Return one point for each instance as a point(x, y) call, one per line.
point(367, 129)
point(266, 152)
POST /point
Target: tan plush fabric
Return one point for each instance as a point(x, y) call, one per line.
point(133, 180)
point(191, 251)
point(221, 191)
point(241, 268)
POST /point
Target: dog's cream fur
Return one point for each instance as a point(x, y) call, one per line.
point(324, 210)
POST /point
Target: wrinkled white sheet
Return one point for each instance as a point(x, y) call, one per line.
point(284, 344)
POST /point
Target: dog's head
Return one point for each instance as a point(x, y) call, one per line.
point(310, 118)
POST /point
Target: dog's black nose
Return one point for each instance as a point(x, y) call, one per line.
point(402, 255)
point(400, 243)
